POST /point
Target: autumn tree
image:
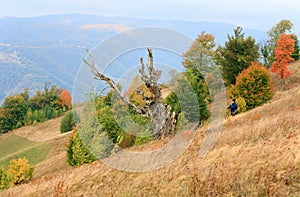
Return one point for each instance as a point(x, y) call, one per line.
point(254, 85)
point(284, 26)
point(66, 98)
point(199, 54)
point(283, 53)
point(20, 171)
point(236, 55)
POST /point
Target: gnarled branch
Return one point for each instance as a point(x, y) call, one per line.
point(164, 122)
point(109, 82)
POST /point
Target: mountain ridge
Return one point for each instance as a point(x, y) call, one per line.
point(50, 48)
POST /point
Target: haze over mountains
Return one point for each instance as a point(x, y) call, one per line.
point(49, 49)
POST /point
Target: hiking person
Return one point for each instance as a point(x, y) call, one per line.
point(233, 108)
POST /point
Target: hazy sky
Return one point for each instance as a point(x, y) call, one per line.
point(258, 14)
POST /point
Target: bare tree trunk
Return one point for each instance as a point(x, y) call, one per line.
point(164, 122)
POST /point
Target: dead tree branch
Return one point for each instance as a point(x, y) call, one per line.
point(109, 82)
point(164, 121)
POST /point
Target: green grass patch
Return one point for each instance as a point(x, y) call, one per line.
point(12, 144)
point(14, 147)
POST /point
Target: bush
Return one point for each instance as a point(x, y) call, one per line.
point(77, 153)
point(255, 85)
point(241, 103)
point(187, 92)
point(69, 120)
point(19, 171)
point(4, 180)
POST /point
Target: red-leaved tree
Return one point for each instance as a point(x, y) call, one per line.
point(66, 98)
point(283, 52)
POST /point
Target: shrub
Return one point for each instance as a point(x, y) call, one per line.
point(69, 120)
point(34, 123)
point(77, 153)
point(189, 90)
point(255, 85)
point(4, 180)
point(19, 171)
point(241, 103)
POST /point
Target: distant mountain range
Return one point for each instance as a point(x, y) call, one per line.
point(49, 49)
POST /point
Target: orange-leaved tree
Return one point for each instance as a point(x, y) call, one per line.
point(283, 53)
point(254, 85)
point(66, 98)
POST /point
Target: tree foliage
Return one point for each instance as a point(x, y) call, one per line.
point(19, 110)
point(4, 179)
point(89, 141)
point(163, 120)
point(19, 171)
point(78, 153)
point(193, 85)
point(199, 54)
point(66, 98)
point(69, 121)
point(254, 85)
point(283, 26)
point(295, 54)
point(13, 110)
point(236, 55)
point(283, 53)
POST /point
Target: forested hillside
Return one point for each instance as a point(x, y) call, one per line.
point(50, 48)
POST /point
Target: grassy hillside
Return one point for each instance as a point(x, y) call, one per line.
point(257, 154)
point(14, 147)
point(42, 145)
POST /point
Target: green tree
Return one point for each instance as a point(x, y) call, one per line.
point(91, 132)
point(283, 26)
point(199, 55)
point(41, 115)
point(295, 54)
point(36, 116)
point(193, 86)
point(49, 97)
point(48, 112)
point(77, 152)
point(14, 109)
point(4, 179)
point(69, 121)
point(236, 55)
point(29, 117)
point(254, 85)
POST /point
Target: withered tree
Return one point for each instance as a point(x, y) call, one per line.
point(164, 122)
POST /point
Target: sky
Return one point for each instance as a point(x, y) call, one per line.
point(255, 14)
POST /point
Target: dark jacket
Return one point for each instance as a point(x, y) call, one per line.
point(234, 108)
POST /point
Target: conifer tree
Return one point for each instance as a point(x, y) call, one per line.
point(236, 55)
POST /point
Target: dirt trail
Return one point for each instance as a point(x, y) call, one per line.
point(41, 132)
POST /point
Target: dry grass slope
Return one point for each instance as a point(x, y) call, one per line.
point(258, 154)
point(48, 133)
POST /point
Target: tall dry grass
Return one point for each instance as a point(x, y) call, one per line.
point(258, 154)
